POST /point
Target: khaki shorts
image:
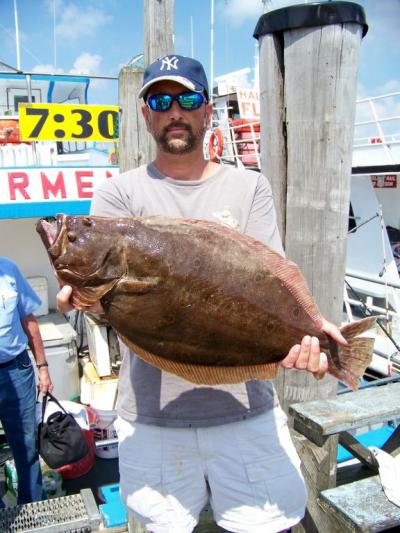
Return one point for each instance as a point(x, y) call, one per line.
point(248, 470)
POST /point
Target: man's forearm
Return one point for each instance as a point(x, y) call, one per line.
point(31, 328)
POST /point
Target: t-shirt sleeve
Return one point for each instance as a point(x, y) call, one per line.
point(110, 200)
point(262, 222)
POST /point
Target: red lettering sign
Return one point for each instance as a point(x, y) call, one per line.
point(54, 188)
point(81, 185)
point(18, 181)
point(389, 181)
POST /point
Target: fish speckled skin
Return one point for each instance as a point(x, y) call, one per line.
point(193, 291)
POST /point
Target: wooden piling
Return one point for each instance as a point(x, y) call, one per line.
point(134, 141)
point(308, 76)
point(158, 29)
point(136, 146)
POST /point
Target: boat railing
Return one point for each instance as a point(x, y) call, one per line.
point(377, 295)
point(376, 135)
point(237, 144)
point(372, 279)
point(377, 131)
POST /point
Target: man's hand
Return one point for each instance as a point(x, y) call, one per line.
point(65, 302)
point(63, 299)
point(307, 355)
point(45, 384)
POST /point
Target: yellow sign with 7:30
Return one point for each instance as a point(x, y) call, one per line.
point(68, 122)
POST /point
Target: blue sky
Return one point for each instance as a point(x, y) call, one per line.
point(99, 36)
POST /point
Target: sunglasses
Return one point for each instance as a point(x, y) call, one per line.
point(189, 101)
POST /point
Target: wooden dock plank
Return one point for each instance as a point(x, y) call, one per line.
point(320, 419)
point(361, 506)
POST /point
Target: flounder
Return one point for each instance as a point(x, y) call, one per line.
point(196, 298)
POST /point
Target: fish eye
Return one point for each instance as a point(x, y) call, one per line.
point(71, 236)
point(86, 221)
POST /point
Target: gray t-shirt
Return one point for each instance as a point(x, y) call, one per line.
point(241, 199)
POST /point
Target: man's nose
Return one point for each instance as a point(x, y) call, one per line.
point(175, 109)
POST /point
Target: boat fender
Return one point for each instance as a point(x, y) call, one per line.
point(215, 151)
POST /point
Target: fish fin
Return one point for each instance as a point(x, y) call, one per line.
point(348, 363)
point(204, 374)
point(131, 285)
point(356, 328)
point(352, 360)
point(86, 296)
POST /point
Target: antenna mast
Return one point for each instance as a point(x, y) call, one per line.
point(212, 52)
point(17, 35)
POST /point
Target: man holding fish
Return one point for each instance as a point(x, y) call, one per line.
point(182, 444)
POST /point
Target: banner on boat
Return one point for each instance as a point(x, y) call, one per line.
point(249, 103)
point(388, 181)
point(46, 191)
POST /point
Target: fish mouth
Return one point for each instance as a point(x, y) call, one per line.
point(50, 229)
point(51, 232)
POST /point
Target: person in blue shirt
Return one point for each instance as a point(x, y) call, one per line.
point(18, 329)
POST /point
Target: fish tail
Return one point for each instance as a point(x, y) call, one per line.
point(348, 363)
point(353, 329)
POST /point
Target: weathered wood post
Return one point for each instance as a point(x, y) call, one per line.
point(158, 29)
point(136, 146)
point(308, 72)
point(134, 141)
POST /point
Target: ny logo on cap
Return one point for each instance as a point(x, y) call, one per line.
point(169, 63)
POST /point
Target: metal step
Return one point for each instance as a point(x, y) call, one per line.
point(76, 513)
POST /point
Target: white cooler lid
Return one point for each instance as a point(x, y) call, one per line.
point(55, 329)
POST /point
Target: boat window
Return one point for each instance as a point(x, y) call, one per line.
point(16, 95)
point(21, 99)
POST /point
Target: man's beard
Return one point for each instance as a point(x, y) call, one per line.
point(187, 142)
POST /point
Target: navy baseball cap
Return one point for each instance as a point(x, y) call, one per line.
point(184, 70)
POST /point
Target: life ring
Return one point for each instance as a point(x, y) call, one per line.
point(216, 151)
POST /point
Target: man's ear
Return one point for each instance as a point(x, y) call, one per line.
point(209, 111)
point(146, 116)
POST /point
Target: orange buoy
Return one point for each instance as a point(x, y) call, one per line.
point(215, 150)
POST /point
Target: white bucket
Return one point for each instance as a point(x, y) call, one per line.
point(104, 429)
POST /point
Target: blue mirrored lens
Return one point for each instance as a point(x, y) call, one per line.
point(190, 100)
point(160, 102)
point(187, 101)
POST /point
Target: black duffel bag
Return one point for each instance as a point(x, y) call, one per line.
point(61, 440)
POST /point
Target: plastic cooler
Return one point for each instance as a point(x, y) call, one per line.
point(40, 286)
point(101, 394)
point(61, 353)
point(104, 430)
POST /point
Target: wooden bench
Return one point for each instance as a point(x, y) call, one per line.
point(318, 426)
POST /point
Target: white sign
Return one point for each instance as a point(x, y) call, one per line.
point(33, 191)
point(249, 103)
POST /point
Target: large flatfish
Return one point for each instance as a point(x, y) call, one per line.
point(196, 298)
